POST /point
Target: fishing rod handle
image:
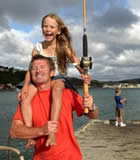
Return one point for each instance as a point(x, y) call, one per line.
point(86, 109)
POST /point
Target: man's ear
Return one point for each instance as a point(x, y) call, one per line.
point(52, 73)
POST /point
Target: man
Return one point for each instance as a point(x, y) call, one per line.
point(42, 69)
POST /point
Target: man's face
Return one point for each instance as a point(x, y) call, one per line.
point(40, 72)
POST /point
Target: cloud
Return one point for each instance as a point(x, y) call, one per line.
point(115, 18)
point(112, 30)
point(135, 4)
point(29, 12)
point(15, 50)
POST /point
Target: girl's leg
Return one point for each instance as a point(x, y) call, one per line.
point(57, 91)
point(117, 117)
point(121, 115)
point(27, 111)
point(26, 106)
point(122, 124)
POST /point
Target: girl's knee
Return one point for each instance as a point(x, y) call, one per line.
point(58, 83)
point(58, 89)
point(32, 90)
point(58, 86)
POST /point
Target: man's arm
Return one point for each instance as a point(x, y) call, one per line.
point(93, 113)
point(19, 130)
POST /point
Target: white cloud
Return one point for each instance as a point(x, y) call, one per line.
point(15, 49)
point(134, 4)
point(112, 42)
point(98, 47)
point(134, 33)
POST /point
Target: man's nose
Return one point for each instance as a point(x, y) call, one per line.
point(37, 69)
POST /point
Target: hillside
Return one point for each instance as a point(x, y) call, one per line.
point(14, 76)
point(137, 80)
point(11, 75)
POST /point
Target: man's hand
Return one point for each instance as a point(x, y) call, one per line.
point(88, 101)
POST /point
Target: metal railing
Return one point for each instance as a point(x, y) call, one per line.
point(11, 149)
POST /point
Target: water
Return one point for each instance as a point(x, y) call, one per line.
point(104, 98)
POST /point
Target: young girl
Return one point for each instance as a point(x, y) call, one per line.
point(57, 45)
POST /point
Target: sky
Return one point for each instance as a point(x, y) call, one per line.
point(113, 31)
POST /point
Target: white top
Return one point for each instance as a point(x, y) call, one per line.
point(39, 49)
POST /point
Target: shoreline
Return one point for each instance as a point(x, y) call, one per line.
point(78, 87)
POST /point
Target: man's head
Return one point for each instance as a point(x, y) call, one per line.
point(41, 69)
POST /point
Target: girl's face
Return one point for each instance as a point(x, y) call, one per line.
point(50, 29)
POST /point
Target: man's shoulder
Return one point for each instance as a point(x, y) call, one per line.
point(69, 91)
point(71, 94)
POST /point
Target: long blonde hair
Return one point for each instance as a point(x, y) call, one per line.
point(63, 42)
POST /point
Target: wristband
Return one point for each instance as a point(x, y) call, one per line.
point(93, 109)
point(75, 64)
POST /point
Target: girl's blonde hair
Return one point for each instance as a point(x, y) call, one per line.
point(63, 42)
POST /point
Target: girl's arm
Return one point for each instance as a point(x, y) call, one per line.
point(73, 58)
point(27, 76)
point(27, 79)
point(123, 100)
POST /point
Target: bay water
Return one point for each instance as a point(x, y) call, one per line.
point(104, 99)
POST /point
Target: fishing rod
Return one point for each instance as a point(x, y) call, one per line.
point(86, 62)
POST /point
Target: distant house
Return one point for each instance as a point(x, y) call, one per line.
point(122, 85)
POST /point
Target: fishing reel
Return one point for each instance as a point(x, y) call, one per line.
point(86, 62)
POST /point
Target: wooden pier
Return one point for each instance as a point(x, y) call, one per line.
point(101, 140)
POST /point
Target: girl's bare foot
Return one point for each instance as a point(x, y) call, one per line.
point(51, 141)
point(30, 143)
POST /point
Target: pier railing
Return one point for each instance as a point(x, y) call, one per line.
point(11, 149)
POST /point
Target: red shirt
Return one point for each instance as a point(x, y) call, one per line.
point(66, 145)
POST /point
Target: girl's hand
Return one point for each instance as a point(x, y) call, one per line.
point(23, 93)
point(124, 100)
point(86, 78)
